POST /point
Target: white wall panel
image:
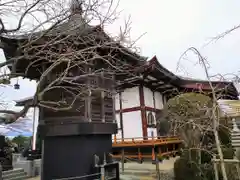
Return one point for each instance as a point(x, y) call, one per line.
point(117, 102)
point(130, 98)
point(118, 120)
point(158, 100)
point(132, 124)
point(148, 97)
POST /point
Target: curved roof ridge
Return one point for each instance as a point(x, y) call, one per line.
point(154, 61)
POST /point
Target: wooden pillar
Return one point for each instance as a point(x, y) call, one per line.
point(102, 106)
point(153, 154)
point(159, 150)
point(155, 119)
point(88, 99)
point(113, 94)
point(102, 100)
point(153, 149)
point(121, 115)
point(143, 112)
point(122, 129)
point(139, 155)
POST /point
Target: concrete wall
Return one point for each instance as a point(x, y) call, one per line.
point(31, 168)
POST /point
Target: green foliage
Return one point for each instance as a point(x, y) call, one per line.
point(187, 167)
point(5, 81)
point(184, 169)
point(190, 105)
point(160, 157)
point(195, 109)
point(21, 141)
point(185, 111)
point(39, 141)
point(163, 126)
point(225, 136)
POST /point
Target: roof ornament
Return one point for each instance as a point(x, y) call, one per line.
point(16, 86)
point(76, 7)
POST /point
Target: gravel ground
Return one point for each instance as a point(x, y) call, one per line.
point(145, 171)
point(164, 165)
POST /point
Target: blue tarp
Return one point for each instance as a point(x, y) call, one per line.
point(13, 134)
point(23, 126)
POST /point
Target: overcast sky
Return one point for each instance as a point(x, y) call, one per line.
point(172, 26)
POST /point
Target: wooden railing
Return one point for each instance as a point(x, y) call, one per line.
point(146, 141)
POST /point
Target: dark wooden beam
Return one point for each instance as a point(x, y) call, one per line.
point(102, 100)
point(88, 99)
point(114, 99)
point(154, 105)
point(137, 108)
point(121, 115)
point(143, 112)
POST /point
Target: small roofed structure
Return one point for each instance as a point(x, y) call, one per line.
point(76, 65)
point(76, 26)
point(22, 102)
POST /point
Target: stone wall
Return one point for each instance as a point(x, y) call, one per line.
point(32, 168)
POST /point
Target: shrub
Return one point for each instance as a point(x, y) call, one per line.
point(189, 170)
point(187, 167)
point(160, 157)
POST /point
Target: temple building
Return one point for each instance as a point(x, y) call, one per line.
point(87, 97)
point(142, 100)
point(139, 103)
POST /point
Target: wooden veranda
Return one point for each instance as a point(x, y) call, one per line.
point(140, 149)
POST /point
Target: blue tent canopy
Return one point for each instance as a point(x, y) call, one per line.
point(23, 126)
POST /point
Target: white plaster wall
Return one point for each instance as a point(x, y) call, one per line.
point(130, 98)
point(117, 102)
point(118, 120)
point(150, 130)
point(132, 124)
point(158, 100)
point(148, 97)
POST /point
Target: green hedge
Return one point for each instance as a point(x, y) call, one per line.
point(189, 170)
point(187, 167)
